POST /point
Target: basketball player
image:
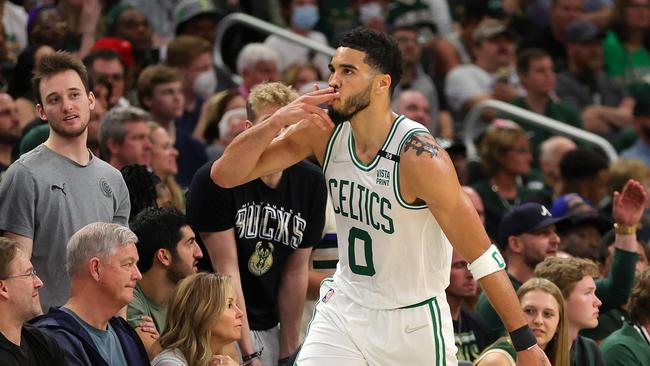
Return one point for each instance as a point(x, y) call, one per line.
point(398, 206)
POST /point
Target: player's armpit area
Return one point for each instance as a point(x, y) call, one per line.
point(421, 143)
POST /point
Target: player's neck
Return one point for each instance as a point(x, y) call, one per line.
point(73, 148)
point(370, 128)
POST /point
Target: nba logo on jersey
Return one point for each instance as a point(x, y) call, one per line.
point(328, 296)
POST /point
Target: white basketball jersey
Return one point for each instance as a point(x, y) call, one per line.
point(391, 254)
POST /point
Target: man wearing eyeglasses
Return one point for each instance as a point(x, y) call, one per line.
point(22, 344)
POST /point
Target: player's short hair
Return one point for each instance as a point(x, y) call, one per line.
point(565, 273)
point(267, 95)
point(56, 63)
point(382, 52)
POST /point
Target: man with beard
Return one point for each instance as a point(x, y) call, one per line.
point(9, 130)
point(527, 235)
point(261, 234)
point(386, 303)
point(60, 186)
point(168, 253)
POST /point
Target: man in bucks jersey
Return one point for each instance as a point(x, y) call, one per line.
point(398, 207)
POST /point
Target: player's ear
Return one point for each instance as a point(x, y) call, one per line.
point(248, 124)
point(384, 82)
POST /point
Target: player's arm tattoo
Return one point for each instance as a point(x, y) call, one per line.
point(422, 142)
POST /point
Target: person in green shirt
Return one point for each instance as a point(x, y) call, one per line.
point(630, 345)
point(520, 236)
point(626, 53)
point(537, 76)
point(168, 253)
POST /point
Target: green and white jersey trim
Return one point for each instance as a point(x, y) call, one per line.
point(391, 253)
point(396, 187)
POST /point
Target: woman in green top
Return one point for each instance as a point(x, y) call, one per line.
point(626, 45)
point(505, 158)
point(543, 305)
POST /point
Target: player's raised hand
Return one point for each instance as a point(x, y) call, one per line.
point(306, 107)
point(534, 356)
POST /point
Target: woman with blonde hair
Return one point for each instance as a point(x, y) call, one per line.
point(202, 319)
point(164, 162)
point(543, 305)
point(506, 158)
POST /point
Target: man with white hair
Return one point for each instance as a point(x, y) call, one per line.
point(256, 63)
point(101, 262)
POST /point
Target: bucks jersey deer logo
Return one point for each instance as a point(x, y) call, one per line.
point(262, 259)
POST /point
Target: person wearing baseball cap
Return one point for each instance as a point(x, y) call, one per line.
point(526, 236)
point(521, 240)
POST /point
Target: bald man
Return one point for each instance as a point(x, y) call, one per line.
point(551, 152)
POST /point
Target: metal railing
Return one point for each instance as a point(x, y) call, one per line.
point(263, 26)
point(474, 116)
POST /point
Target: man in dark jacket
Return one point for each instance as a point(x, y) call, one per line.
point(101, 261)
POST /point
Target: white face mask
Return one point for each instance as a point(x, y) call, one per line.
point(205, 84)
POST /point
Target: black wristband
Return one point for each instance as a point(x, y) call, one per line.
point(253, 355)
point(523, 338)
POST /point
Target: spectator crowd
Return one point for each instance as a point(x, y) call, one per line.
point(118, 248)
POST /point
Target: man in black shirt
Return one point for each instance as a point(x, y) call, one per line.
point(261, 234)
point(20, 344)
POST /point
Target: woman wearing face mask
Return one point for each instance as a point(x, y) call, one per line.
point(543, 305)
point(302, 16)
point(192, 56)
point(202, 318)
